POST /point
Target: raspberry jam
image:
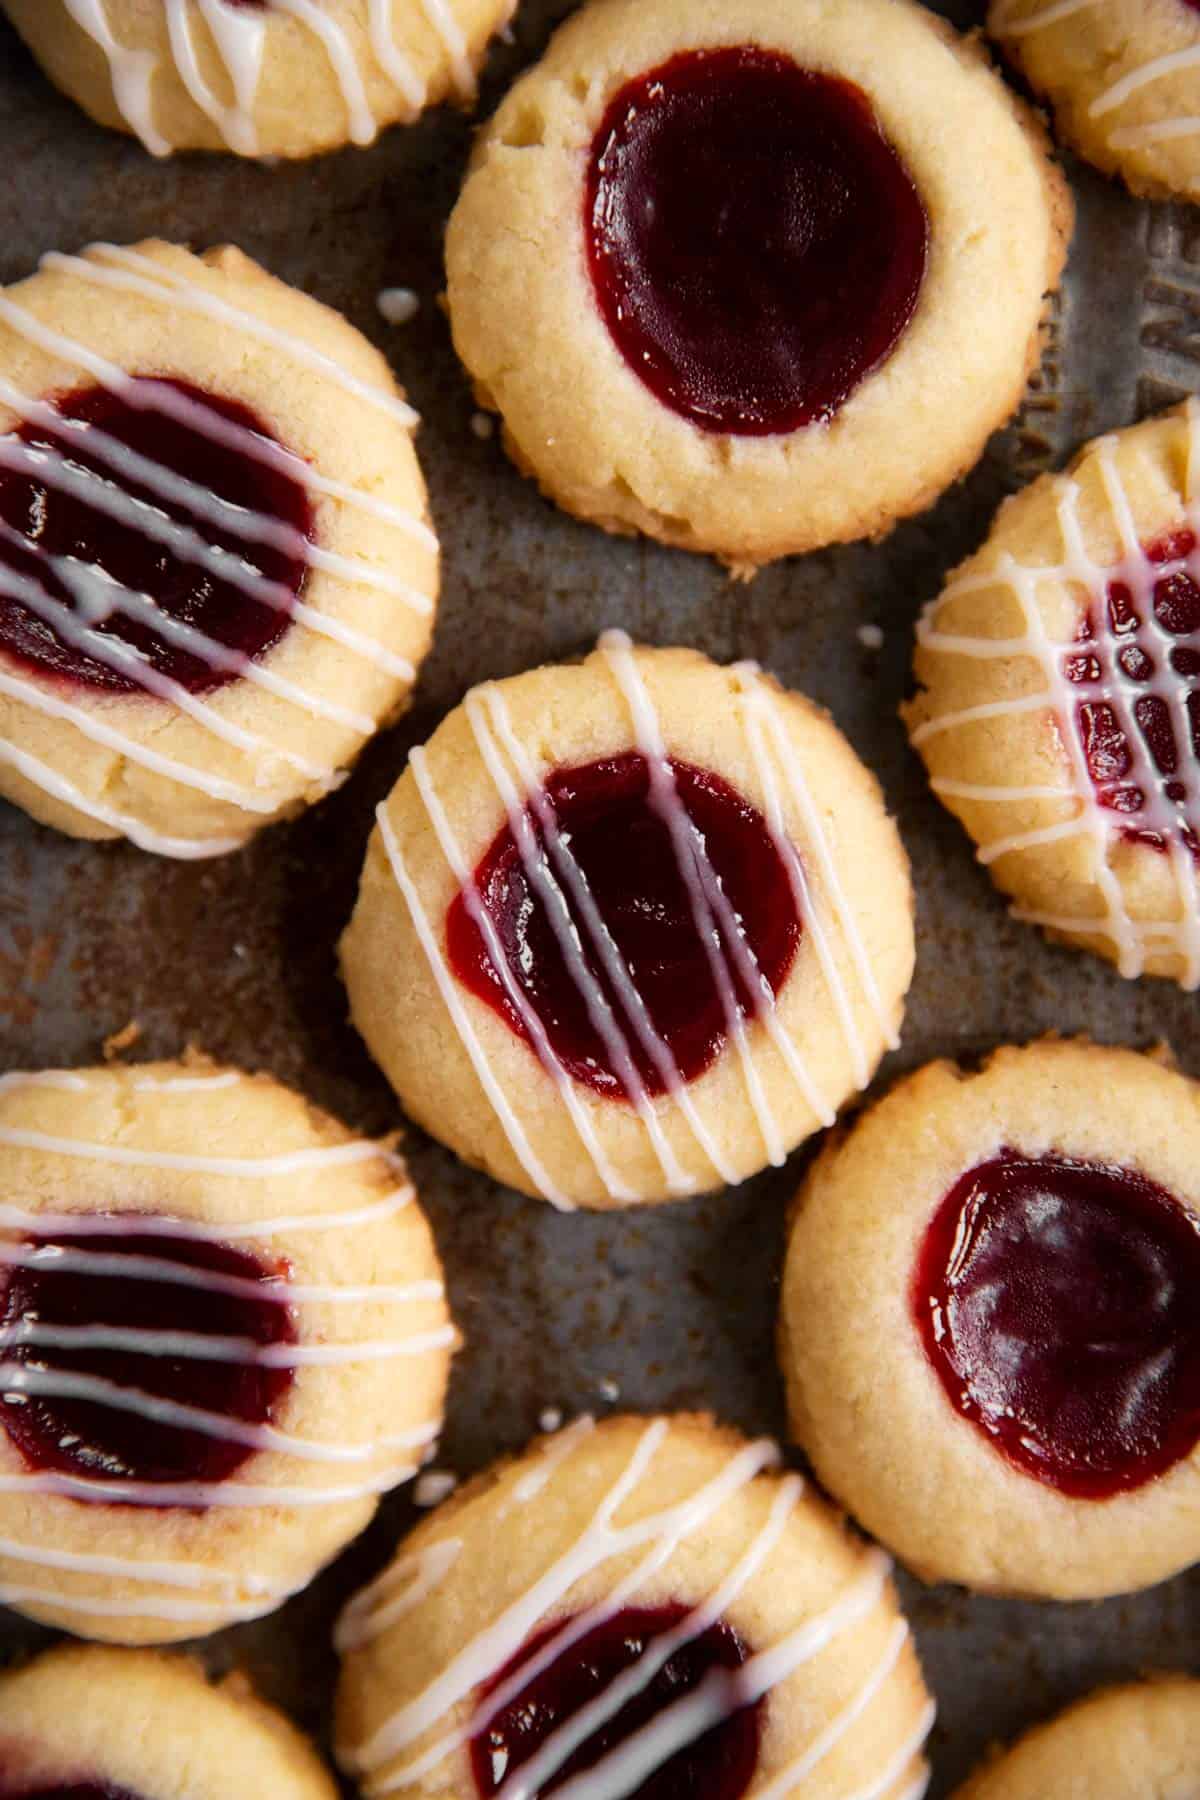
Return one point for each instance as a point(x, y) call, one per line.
point(718, 1766)
point(756, 245)
point(77, 1790)
point(1057, 1304)
point(73, 546)
point(1142, 738)
point(624, 851)
point(205, 1290)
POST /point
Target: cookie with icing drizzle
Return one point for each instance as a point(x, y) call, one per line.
point(223, 1334)
point(217, 572)
point(1025, 1241)
point(631, 928)
point(647, 1607)
point(268, 78)
point(1058, 710)
point(1143, 1739)
point(100, 1724)
point(718, 272)
point(1123, 79)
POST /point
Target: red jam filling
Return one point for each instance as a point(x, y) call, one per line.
point(1133, 732)
point(1057, 1304)
point(82, 556)
point(81, 1435)
point(620, 844)
point(718, 1766)
point(78, 1790)
point(756, 245)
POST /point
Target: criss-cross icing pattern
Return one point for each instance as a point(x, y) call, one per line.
point(138, 494)
point(1010, 20)
point(555, 876)
point(85, 1246)
point(1123, 691)
point(471, 1676)
point(240, 37)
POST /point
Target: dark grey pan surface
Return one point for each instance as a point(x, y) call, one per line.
point(673, 1308)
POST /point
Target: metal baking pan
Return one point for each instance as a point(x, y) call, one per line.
point(660, 1309)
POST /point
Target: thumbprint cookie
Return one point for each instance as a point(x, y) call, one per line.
point(217, 574)
point(733, 279)
point(989, 1331)
point(1123, 79)
point(1139, 1742)
point(647, 1607)
point(259, 77)
point(84, 1723)
point(223, 1335)
point(1058, 711)
point(630, 928)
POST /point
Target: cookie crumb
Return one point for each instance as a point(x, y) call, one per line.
point(433, 1487)
point(483, 425)
point(119, 1041)
point(550, 1419)
point(870, 637)
point(608, 1389)
point(398, 305)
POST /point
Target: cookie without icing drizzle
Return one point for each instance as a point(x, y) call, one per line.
point(1056, 1301)
point(267, 78)
point(644, 879)
point(1025, 1238)
point(756, 245)
point(645, 1607)
point(713, 266)
point(1059, 711)
point(223, 1334)
point(217, 576)
point(83, 1723)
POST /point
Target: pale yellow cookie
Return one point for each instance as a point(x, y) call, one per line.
point(1123, 79)
point(225, 1335)
point(739, 391)
point(1140, 1742)
point(630, 928)
point(260, 77)
point(988, 1334)
point(144, 1726)
point(675, 1559)
point(1058, 704)
point(217, 573)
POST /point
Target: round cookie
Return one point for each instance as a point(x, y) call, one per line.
point(988, 1334)
point(90, 1724)
point(1123, 79)
point(224, 1335)
point(260, 77)
point(630, 928)
point(1058, 710)
point(664, 1575)
point(1139, 1742)
point(682, 341)
point(217, 574)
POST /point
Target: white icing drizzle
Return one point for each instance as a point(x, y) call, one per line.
point(415, 1577)
point(96, 596)
point(228, 1595)
point(240, 38)
point(1112, 98)
point(556, 877)
point(1146, 644)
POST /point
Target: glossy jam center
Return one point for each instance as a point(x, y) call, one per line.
point(1057, 1302)
point(108, 543)
point(756, 245)
point(616, 872)
point(172, 1289)
point(717, 1766)
point(1141, 739)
